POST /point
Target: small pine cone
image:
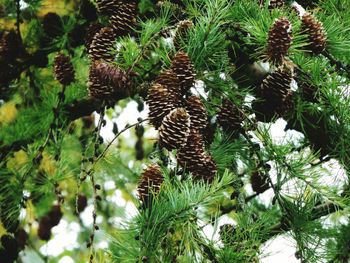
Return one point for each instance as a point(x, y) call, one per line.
point(279, 40)
point(107, 82)
point(169, 79)
point(55, 215)
point(91, 31)
point(175, 129)
point(259, 182)
point(107, 7)
point(206, 169)
point(193, 158)
point(197, 112)
point(182, 32)
point(10, 247)
point(150, 182)
point(10, 46)
point(227, 234)
point(44, 230)
point(230, 117)
point(276, 85)
point(192, 151)
point(124, 18)
point(184, 70)
point(160, 103)
point(276, 4)
point(275, 95)
point(63, 69)
point(52, 25)
point(102, 45)
point(81, 203)
point(316, 33)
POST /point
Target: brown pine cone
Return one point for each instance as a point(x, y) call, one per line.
point(259, 182)
point(63, 69)
point(183, 67)
point(102, 45)
point(230, 117)
point(279, 40)
point(197, 112)
point(174, 129)
point(317, 35)
point(10, 46)
point(182, 32)
point(107, 82)
point(44, 230)
point(160, 103)
point(124, 18)
point(276, 4)
point(150, 182)
point(91, 31)
point(169, 79)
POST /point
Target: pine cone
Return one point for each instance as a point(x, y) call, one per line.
point(169, 79)
point(108, 7)
point(160, 103)
point(175, 129)
point(91, 31)
point(124, 18)
point(316, 33)
point(230, 116)
point(189, 155)
point(63, 69)
point(10, 46)
point(10, 247)
point(259, 182)
point(81, 203)
point(107, 82)
point(182, 32)
point(279, 40)
point(44, 230)
point(102, 45)
point(206, 169)
point(197, 112)
point(275, 90)
point(55, 215)
point(150, 182)
point(184, 70)
point(276, 4)
point(193, 158)
point(52, 24)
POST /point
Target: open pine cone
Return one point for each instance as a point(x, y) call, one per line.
point(160, 103)
point(182, 66)
point(175, 129)
point(102, 45)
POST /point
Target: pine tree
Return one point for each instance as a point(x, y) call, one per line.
point(174, 131)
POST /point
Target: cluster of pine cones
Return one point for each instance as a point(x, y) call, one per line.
point(106, 81)
point(181, 117)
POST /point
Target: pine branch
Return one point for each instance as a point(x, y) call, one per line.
point(341, 67)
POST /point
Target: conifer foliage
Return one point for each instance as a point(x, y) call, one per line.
point(174, 131)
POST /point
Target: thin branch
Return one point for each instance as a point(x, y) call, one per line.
point(338, 65)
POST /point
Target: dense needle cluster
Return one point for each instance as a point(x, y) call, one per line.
point(279, 40)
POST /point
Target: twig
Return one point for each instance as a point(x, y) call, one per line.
point(18, 18)
point(339, 65)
